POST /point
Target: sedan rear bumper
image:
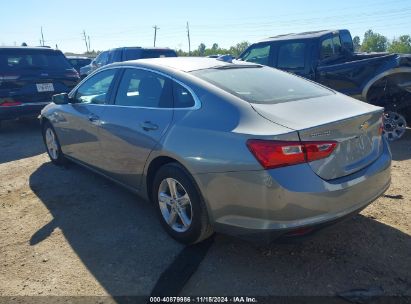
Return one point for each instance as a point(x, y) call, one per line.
point(25, 110)
point(271, 203)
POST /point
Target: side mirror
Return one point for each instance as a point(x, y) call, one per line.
point(60, 99)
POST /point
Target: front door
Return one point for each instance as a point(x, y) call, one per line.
point(79, 122)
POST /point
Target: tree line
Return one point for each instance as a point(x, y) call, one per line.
point(375, 42)
point(371, 42)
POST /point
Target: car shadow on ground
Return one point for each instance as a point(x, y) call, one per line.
point(25, 134)
point(115, 234)
point(118, 238)
point(359, 253)
point(401, 149)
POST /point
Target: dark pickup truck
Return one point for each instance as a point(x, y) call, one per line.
point(328, 57)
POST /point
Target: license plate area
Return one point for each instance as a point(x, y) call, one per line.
point(45, 87)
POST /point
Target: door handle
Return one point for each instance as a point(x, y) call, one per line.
point(148, 126)
point(94, 119)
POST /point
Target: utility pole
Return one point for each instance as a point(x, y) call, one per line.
point(85, 40)
point(189, 41)
point(155, 27)
point(42, 36)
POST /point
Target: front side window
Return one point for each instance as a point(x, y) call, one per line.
point(291, 55)
point(261, 85)
point(258, 54)
point(140, 88)
point(95, 89)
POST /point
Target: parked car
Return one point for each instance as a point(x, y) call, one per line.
point(79, 61)
point(124, 54)
point(328, 57)
point(29, 77)
point(241, 148)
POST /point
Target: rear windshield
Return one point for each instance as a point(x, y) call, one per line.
point(261, 85)
point(21, 59)
point(79, 62)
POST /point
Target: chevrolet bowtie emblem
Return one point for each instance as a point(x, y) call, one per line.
point(364, 126)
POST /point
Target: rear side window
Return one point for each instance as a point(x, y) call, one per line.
point(158, 53)
point(291, 55)
point(131, 54)
point(141, 88)
point(182, 97)
point(327, 48)
point(261, 85)
point(258, 54)
point(32, 59)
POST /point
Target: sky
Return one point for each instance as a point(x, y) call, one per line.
point(130, 23)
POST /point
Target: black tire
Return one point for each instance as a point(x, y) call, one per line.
point(200, 227)
point(59, 159)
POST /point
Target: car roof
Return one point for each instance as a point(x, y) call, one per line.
point(142, 48)
point(184, 64)
point(304, 35)
point(27, 48)
point(78, 57)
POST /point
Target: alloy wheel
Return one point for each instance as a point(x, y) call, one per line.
point(51, 143)
point(394, 125)
point(175, 205)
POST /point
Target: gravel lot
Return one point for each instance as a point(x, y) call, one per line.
point(67, 231)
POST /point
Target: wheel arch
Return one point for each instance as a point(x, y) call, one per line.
point(155, 164)
point(373, 81)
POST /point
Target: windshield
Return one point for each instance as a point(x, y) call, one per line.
point(29, 59)
point(262, 85)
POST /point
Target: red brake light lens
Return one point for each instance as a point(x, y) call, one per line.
point(10, 103)
point(275, 154)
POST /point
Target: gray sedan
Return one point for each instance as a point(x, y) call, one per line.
point(235, 147)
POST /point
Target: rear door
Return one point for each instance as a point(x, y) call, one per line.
point(134, 124)
point(79, 122)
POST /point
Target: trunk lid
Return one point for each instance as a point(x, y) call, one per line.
point(355, 125)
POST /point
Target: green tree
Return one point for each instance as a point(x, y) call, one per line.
point(401, 45)
point(239, 48)
point(374, 42)
point(357, 43)
point(201, 49)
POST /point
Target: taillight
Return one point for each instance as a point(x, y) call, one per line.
point(10, 103)
point(72, 74)
point(381, 128)
point(275, 154)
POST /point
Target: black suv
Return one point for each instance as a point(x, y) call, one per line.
point(129, 53)
point(78, 61)
point(29, 76)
